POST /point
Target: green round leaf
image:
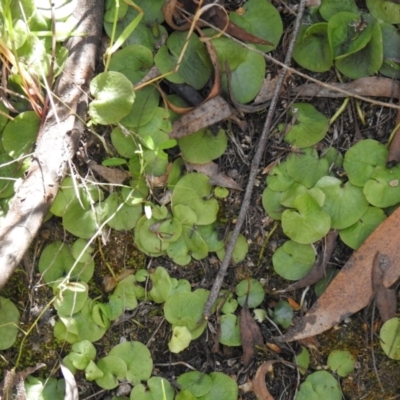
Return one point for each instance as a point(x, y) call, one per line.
point(293, 260)
point(93, 372)
point(312, 50)
point(133, 61)
point(308, 224)
point(303, 360)
point(20, 135)
point(329, 8)
point(261, 19)
point(366, 61)
point(355, 235)
point(114, 370)
point(319, 385)
point(254, 289)
point(247, 69)
point(309, 128)
point(271, 202)
point(342, 362)
point(278, 178)
point(283, 314)
point(183, 309)
point(126, 291)
point(195, 68)
point(390, 338)
point(239, 252)
point(7, 175)
point(138, 359)
point(203, 146)
point(290, 195)
point(144, 108)
point(81, 251)
point(383, 188)
point(195, 382)
point(124, 142)
point(9, 320)
point(194, 190)
point(161, 285)
point(160, 388)
point(344, 203)
point(385, 10)
point(114, 96)
point(391, 51)
point(230, 331)
point(56, 261)
point(306, 168)
point(361, 160)
point(343, 35)
point(180, 340)
point(70, 297)
point(223, 387)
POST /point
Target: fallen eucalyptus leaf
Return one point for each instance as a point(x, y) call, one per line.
point(339, 300)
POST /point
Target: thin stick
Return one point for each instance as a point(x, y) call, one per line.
point(253, 171)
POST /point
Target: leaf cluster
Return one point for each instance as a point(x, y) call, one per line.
point(358, 44)
point(308, 195)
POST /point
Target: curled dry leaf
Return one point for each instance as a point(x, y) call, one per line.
point(259, 386)
point(14, 379)
point(352, 288)
point(251, 335)
point(385, 298)
point(111, 175)
point(206, 114)
point(217, 178)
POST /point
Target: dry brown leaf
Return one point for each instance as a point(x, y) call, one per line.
point(110, 282)
point(259, 386)
point(212, 171)
point(352, 290)
point(385, 298)
point(267, 90)
point(251, 335)
point(112, 175)
point(369, 86)
point(206, 114)
point(14, 379)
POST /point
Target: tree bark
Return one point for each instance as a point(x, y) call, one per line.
point(57, 141)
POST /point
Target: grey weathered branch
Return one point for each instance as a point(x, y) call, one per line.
point(57, 143)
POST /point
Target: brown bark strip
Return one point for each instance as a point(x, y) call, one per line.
point(58, 142)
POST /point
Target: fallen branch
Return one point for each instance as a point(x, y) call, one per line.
point(57, 143)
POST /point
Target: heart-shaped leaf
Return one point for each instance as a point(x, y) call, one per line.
point(309, 223)
point(114, 96)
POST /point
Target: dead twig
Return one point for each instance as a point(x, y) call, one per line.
point(253, 171)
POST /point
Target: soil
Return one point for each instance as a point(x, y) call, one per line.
point(375, 377)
